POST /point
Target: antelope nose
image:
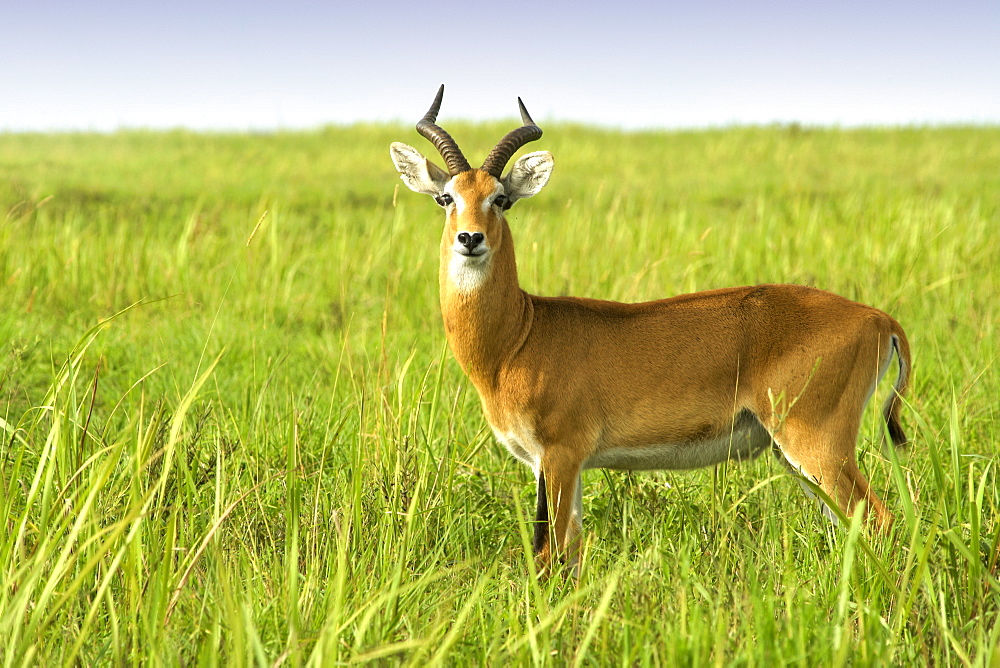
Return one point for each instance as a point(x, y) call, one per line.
point(470, 241)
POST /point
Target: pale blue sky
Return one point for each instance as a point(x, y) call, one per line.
point(290, 64)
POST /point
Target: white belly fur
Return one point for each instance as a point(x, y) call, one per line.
point(747, 440)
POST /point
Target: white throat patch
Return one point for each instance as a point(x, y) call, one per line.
point(466, 273)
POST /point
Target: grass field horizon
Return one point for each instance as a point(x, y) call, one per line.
point(233, 434)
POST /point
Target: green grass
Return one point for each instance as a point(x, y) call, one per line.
point(226, 450)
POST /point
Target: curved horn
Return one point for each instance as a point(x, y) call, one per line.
point(442, 141)
point(515, 139)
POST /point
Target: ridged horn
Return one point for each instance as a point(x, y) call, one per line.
point(442, 141)
point(515, 139)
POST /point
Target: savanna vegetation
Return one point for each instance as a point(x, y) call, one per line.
point(231, 432)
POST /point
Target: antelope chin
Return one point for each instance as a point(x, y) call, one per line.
point(467, 272)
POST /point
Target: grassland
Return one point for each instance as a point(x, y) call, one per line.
point(231, 433)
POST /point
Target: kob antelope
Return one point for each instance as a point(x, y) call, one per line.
point(569, 383)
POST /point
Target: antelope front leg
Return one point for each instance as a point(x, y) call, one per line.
point(559, 514)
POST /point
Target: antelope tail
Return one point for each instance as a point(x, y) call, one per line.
point(891, 409)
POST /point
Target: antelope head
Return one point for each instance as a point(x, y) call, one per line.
point(474, 200)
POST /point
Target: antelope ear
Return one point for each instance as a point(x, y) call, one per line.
point(417, 172)
point(528, 175)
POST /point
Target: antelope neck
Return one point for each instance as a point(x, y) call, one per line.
point(487, 325)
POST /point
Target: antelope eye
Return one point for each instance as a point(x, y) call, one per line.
point(444, 199)
point(501, 201)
